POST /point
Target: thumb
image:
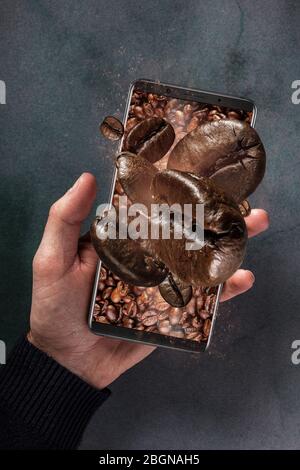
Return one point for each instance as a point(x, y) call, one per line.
point(59, 244)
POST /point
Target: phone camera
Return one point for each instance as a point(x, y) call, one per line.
point(219, 100)
point(168, 90)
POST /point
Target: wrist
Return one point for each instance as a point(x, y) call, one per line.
point(78, 363)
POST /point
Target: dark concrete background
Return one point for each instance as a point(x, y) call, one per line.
point(66, 65)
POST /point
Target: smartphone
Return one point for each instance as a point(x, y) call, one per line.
point(141, 314)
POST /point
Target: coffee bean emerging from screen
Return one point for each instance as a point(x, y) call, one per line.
point(128, 259)
point(150, 139)
point(111, 128)
point(229, 152)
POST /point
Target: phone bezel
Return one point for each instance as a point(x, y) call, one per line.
point(145, 337)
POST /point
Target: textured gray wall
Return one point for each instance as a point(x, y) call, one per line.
point(67, 64)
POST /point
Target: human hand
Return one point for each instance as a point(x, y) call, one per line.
point(63, 274)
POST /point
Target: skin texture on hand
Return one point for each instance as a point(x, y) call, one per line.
point(63, 275)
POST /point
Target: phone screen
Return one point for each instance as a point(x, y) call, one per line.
point(143, 309)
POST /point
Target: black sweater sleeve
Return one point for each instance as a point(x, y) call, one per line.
point(42, 404)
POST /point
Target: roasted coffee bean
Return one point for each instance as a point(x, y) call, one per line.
point(191, 335)
point(128, 298)
point(161, 304)
point(135, 174)
point(209, 303)
point(228, 151)
point(115, 296)
point(171, 105)
point(204, 314)
point(194, 122)
point(139, 112)
point(118, 188)
point(148, 110)
point(111, 313)
point(143, 298)
point(174, 291)
point(159, 113)
point(97, 309)
point(111, 128)
point(179, 118)
point(201, 115)
point(187, 110)
point(191, 306)
point(111, 282)
point(174, 316)
point(115, 277)
point(131, 123)
point(177, 332)
point(138, 290)
point(128, 322)
point(198, 337)
point(103, 274)
point(150, 321)
point(150, 139)
point(245, 208)
point(163, 316)
point(101, 285)
point(225, 232)
point(107, 293)
point(164, 327)
point(150, 329)
point(198, 292)
point(122, 288)
point(102, 319)
point(233, 115)
point(132, 309)
point(206, 327)
point(197, 323)
point(183, 319)
point(117, 254)
point(148, 313)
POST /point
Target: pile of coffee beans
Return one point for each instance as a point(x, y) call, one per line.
point(184, 116)
point(145, 309)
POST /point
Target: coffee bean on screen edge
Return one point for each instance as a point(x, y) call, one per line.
point(111, 128)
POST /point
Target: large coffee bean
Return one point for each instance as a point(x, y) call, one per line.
point(135, 174)
point(150, 139)
point(228, 151)
point(225, 232)
point(111, 128)
point(175, 292)
point(128, 259)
